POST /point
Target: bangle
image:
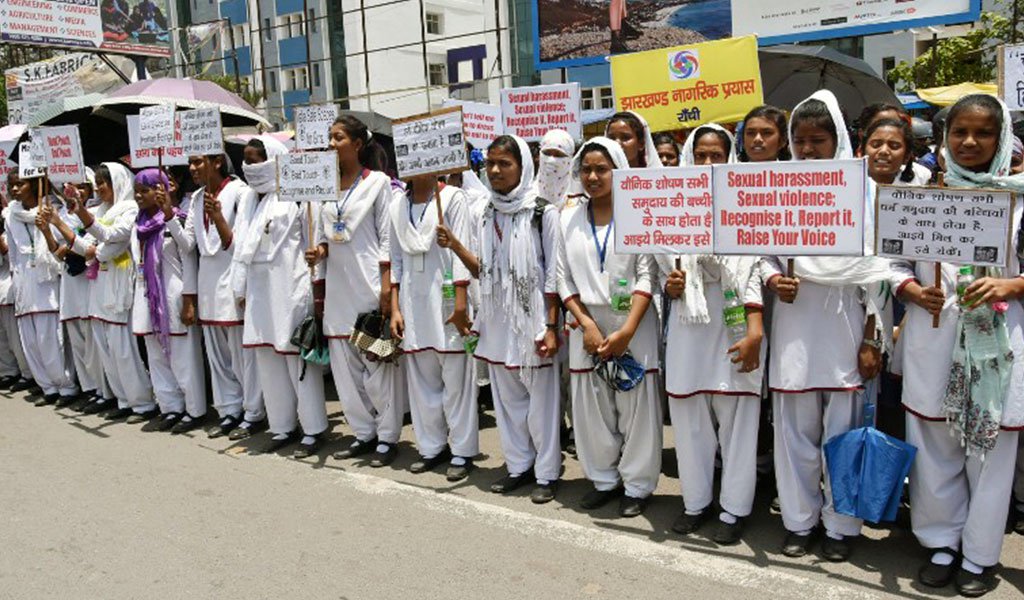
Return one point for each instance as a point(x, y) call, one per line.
point(553, 326)
point(876, 344)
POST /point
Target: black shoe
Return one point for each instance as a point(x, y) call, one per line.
point(459, 472)
point(939, 576)
point(187, 423)
point(165, 422)
point(99, 405)
point(834, 550)
point(972, 586)
point(728, 534)
point(383, 459)
point(687, 524)
point(542, 494)
point(796, 545)
point(82, 403)
point(275, 443)
point(142, 417)
point(224, 427)
point(598, 498)
point(775, 506)
point(47, 400)
point(618, 46)
point(630, 507)
point(119, 414)
point(629, 30)
point(429, 464)
point(509, 483)
point(359, 448)
point(7, 382)
point(247, 429)
point(65, 401)
point(306, 450)
point(23, 385)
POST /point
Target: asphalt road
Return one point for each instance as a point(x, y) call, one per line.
point(90, 509)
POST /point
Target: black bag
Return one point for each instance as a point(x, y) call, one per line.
point(75, 263)
point(309, 338)
point(372, 336)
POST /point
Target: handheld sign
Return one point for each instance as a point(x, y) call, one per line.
point(147, 157)
point(958, 226)
point(308, 177)
point(313, 125)
point(430, 144)
point(663, 211)
point(483, 121)
point(29, 166)
point(530, 112)
point(63, 154)
point(201, 132)
point(802, 208)
point(156, 126)
point(1010, 75)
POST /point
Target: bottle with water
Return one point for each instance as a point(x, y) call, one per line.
point(964, 279)
point(735, 317)
point(622, 297)
point(447, 295)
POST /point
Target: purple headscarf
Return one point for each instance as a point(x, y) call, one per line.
point(150, 230)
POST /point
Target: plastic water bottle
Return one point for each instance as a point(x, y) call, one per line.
point(447, 295)
point(622, 297)
point(964, 279)
point(735, 317)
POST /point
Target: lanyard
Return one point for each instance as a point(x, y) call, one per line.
point(422, 214)
point(31, 239)
point(344, 201)
point(602, 249)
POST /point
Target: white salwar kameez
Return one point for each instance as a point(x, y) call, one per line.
point(440, 375)
point(618, 434)
point(233, 371)
point(12, 356)
point(372, 394)
point(75, 292)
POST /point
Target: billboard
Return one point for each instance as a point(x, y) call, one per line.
point(577, 32)
point(138, 27)
point(35, 87)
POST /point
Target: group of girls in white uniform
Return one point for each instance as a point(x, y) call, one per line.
point(521, 275)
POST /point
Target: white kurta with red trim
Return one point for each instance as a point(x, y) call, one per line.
point(179, 268)
point(113, 290)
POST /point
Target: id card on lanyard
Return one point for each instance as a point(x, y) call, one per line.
point(418, 260)
point(339, 226)
point(602, 248)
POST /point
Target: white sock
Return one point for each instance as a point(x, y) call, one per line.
point(308, 440)
point(245, 425)
point(804, 532)
point(942, 558)
point(834, 535)
point(971, 567)
point(226, 421)
point(382, 448)
point(279, 436)
point(727, 518)
point(458, 461)
point(693, 513)
point(543, 482)
point(186, 419)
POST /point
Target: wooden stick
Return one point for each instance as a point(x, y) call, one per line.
point(437, 198)
point(789, 268)
point(938, 284)
point(312, 242)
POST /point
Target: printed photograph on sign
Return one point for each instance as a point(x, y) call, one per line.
point(952, 225)
point(663, 211)
point(308, 177)
point(313, 125)
point(432, 144)
point(803, 208)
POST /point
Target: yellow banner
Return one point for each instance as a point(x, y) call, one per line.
point(687, 86)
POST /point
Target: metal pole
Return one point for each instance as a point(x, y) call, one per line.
point(497, 37)
point(309, 61)
point(366, 55)
point(234, 57)
point(263, 60)
point(423, 42)
point(935, 59)
point(1013, 30)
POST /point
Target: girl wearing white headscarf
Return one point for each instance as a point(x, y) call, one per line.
point(713, 384)
point(36, 272)
point(618, 433)
point(110, 224)
point(960, 484)
point(825, 345)
point(14, 372)
point(518, 322)
point(553, 175)
point(631, 131)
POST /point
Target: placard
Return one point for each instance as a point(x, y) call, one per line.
point(482, 122)
point(308, 177)
point(313, 125)
point(28, 165)
point(799, 208)
point(146, 157)
point(156, 126)
point(1011, 75)
point(200, 131)
point(663, 211)
point(430, 144)
point(63, 154)
point(530, 112)
point(959, 226)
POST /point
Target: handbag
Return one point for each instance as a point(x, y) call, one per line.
point(621, 373)
point(372, 336)
point(309, 338)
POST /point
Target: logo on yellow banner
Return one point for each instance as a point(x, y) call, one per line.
point(683, 65)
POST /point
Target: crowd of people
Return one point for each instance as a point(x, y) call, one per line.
point(510, 276)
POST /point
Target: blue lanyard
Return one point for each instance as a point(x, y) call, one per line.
point(426, 206)
point(602, 249)
point(344, 201)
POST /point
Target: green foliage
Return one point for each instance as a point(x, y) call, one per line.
point(229, 83)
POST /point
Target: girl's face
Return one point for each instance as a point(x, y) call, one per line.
point(104, 191)
point(503, 171)
point(887, 153)
point(621, 132)
point(346, 147)
point(762, 140)
point(669, 154)
point(596, 174)
point(885, 114)
point(1016, 164)
point(709, 150)
point(811, 142)
point(145, 196)
point(973, 138)
point(252, 156)
point(21, 190)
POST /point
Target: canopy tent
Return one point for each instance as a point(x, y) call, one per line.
point(948, 95)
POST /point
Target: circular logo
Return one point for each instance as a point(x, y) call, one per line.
point(684, 64)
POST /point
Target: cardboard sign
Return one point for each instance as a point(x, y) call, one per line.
point(200, 131)
point(313, 125)
point(29, 166)
point(530, 112)
point(483, 122)
point(959, 226)
point(146, 157)
point(1011, 75)
point(431, 144)
point(687, 86)
point(308, 177)
point(63, 154)
point(800, 208)
point(663, 211)
point(156, 126)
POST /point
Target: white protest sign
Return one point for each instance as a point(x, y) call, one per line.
point(156, 126)
point(313, 125)
point(6, 164)
point(431, 144)
point(63, 154)
point(200, 131)
point(663, 211)
point(530, 112)
point(1011, 76)
point(950, 225)
point(29, 166)
point(800, 208)
point(308, 177)
point(147, 157)
point(483, 122)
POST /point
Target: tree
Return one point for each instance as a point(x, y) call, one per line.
point(230, 83)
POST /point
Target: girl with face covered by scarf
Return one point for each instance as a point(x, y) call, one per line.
point(965, 377)
point(553, 177)
point(164, 270)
